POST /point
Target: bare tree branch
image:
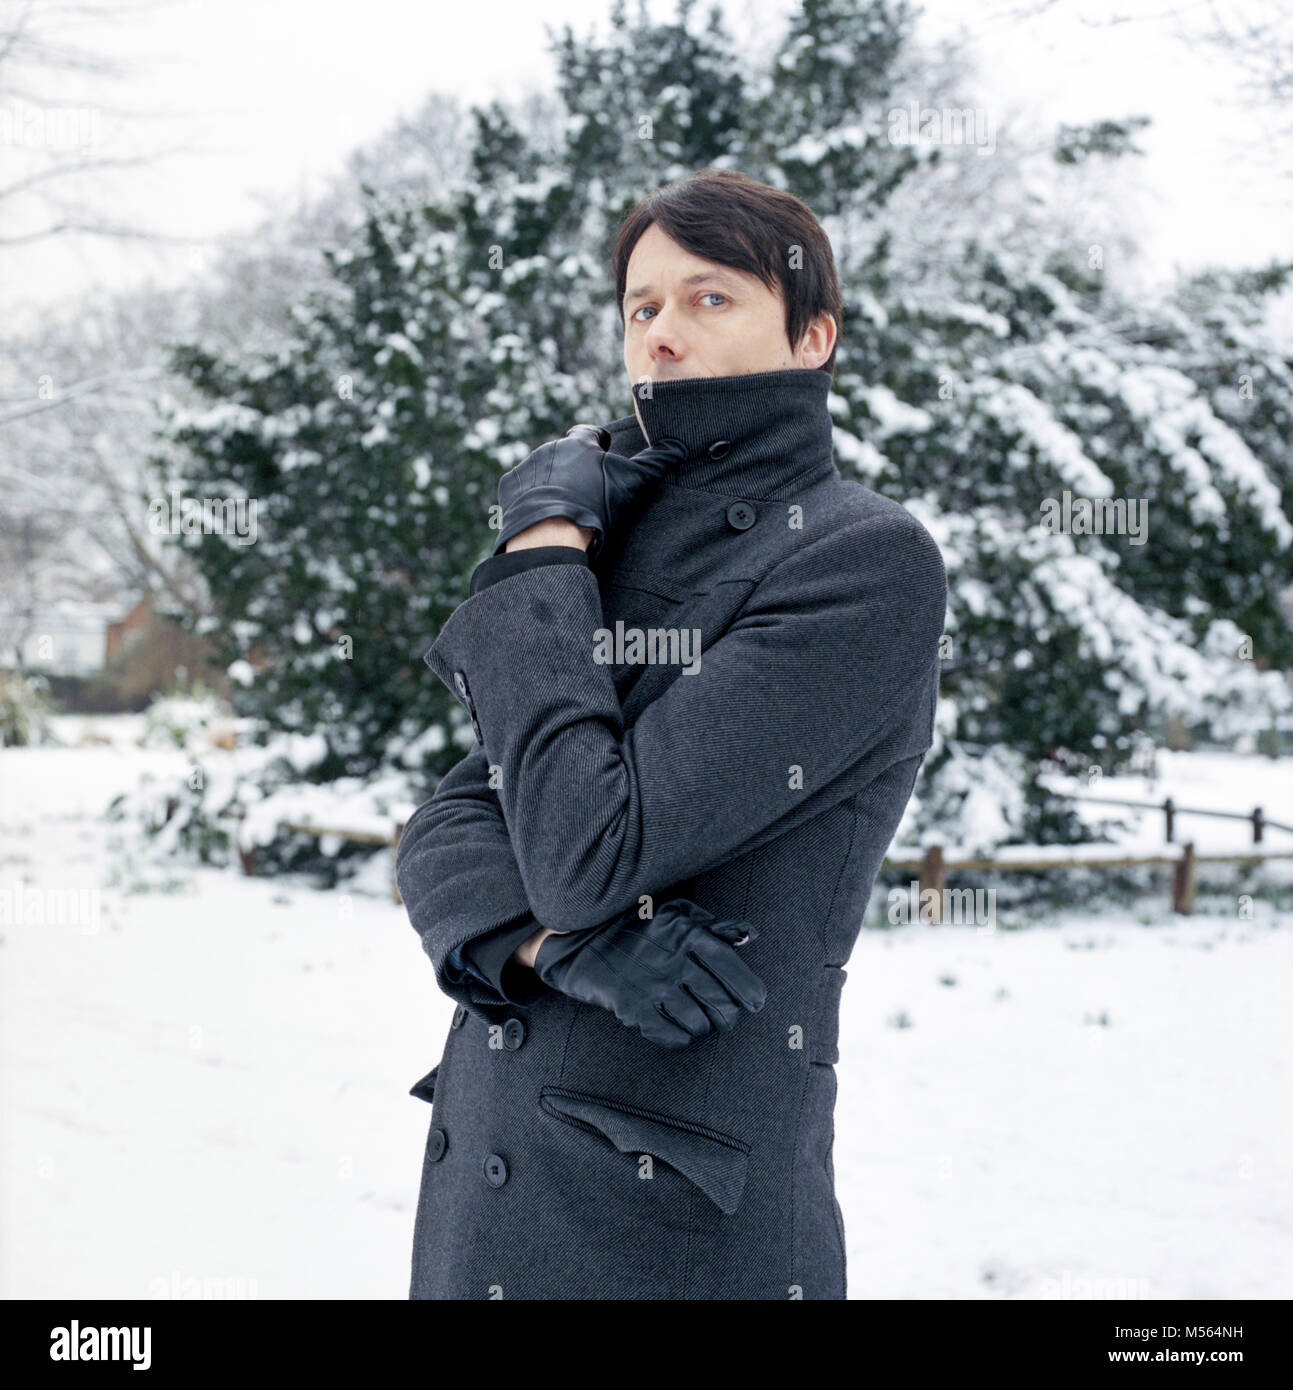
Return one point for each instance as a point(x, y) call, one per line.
point(41, 40)
point(81, 388)
point(85, 166)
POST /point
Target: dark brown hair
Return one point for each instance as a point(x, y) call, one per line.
point(727, 217)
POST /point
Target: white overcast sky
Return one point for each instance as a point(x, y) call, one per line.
point(268, 96)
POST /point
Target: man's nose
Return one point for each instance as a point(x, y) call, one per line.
point(664, 343)
point(661, 335)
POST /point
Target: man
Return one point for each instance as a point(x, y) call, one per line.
point(644, 882)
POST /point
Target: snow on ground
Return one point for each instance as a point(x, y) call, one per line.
point(1100, 1107)
point(204, 1077)
point(206, 1081)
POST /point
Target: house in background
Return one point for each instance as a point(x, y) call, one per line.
point(121, 635)
point(98, 660)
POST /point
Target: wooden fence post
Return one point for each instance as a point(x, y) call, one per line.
point(1183, 882)
point(1169, 816)
point(934, 877)
point(395, 854)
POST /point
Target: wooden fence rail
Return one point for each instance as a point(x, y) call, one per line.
point(247, 857)
point(1256, 817)
point(932, 866)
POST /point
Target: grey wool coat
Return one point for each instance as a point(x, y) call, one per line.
point(567, 1157)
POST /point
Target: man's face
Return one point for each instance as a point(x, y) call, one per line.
point(687, 317)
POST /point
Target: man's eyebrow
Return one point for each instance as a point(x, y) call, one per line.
point(638, 291)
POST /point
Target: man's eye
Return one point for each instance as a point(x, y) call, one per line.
point(708, 294)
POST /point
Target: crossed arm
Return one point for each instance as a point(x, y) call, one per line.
point(460, 883)
point(544, 535)
point(463, 826)
point(590, 815)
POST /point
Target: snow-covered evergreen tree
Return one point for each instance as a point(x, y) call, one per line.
point(459, 335)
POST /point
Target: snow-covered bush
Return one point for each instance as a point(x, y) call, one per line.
point(183, 721)
point(234, 808)
point(25, 710)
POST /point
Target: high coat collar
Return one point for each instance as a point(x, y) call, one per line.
point(756, 434)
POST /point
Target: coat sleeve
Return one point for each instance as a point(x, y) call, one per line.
point(458, 877)
point(485, 959)
point(827, 651)
point(489, 958)
point(497, 567)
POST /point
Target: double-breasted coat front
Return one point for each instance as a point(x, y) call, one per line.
point(568, 1157)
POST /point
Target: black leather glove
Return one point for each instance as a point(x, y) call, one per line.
point(675, 977)
point(576, 478)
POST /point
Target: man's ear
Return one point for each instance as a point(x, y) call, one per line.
point(818, 340)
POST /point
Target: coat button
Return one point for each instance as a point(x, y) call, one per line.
point(513, 1033)
point(459, 1017)
point(437, 1143)
point(741, 516)
point(460, 682)
point(495, 1170)
point(720, 448)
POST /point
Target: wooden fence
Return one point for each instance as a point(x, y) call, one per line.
point(1170, 810)
point(933, 867)
point(247, 857)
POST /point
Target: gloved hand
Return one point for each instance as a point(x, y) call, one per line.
point(674, 977)
point(576, 478)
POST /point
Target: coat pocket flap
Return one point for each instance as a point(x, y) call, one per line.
point(425, 1088)
point(716, 1165)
